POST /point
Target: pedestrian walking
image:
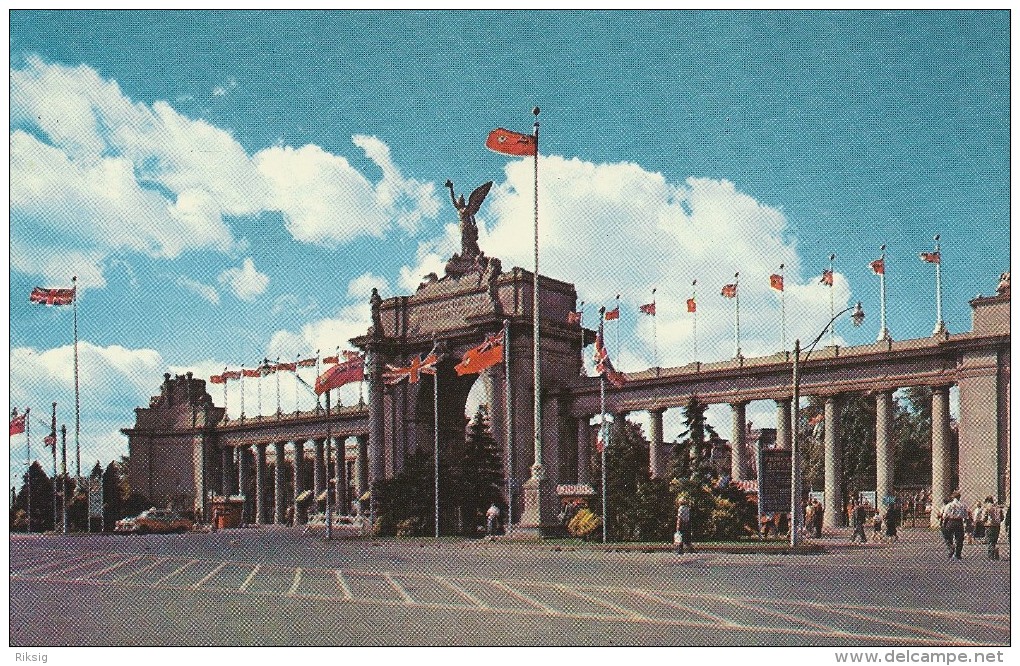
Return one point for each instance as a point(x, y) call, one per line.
point(860, 518)
point(979, 523)
point(968, 528)
point(952, 516)
point(809, 519)
point(992, 515)
point(892, 522)
point(876, 522)
point(492, 520)
point(819, 514)
point(682, 536)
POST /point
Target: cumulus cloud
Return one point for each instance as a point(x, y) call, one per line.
point(246, 282)
point(94, 174)
point(361, 286)
point(208, 292)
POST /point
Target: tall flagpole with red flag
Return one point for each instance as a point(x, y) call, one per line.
point(832, 301)
point(878, 267)
point(537, 469)
point(692, 307)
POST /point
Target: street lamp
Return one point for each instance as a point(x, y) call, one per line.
point(795, 518)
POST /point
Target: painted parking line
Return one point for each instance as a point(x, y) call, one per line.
point(295, 583)
point(525, 598)
point(372, 586)
point(251, 576)
point(764, 609)
point(209, 575)
point(194, 574)
point(400, 590)
point(121, 576)
point(860, 622)
point(344, 587)
point(432, 590)
point(494, 596)
point(620, 610)
point(174, 573)
point(57, 566)
point(272, 580)
point(713, 619)
point(320, 583)
point(464, 594)
point(97, 575)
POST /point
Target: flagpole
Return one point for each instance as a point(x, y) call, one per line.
point(940, 326)
point(508, 396)
point(603, 435)
point(28, 460)
point(883, 332)
point(782, 303)
point(53, 447)
point(832, 302)
point(435, 434)
point(63, 475)
point(581, 322)
point(276, 371)
point(77, 408)
point(617, 327)
point(317, 373)
point(736, 284)
point(694, 297)
point(225, 411)
point(297, 409)
point(329, 464)
point(259, 386)
point(242, 392)
point(537, 469)
point(655, 336)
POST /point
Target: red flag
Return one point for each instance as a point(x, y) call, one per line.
point(826, 277)
point(51, 296)
point(648, 308)
point(232, 374)
point(573, 317)
point(729, 290)
point(511, 143)
point(331, 359)
point(350, 355)
point(251, 373)
point(18, 424)
point(485, 355)
point(412, 373)
point(776, 281)
point(878, 266)
point(600, 442)
point(50, 440)
point(816, 419)
point(613, 314)
point(352, 370)
point(932, 257)
point(306, 363)
point(217, 379)
point(286, 366)
point(603, 365)
point(692, 305)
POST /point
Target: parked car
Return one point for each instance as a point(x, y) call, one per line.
point(159, 521)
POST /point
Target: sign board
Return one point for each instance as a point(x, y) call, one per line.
point(774, 481)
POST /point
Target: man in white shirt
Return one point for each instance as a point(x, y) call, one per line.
point(953, 515)
point(992, 516)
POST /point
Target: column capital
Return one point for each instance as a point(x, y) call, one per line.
point(657, 410)
point(739, 404)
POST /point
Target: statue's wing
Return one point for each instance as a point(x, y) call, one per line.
point(477, 197)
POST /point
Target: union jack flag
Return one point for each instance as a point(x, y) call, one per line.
point(412, 373)
point(51, 296)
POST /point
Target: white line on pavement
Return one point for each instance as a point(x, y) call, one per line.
point(154, 564)
point(297, 581)
point(111, 568)
point(627, 612)
point(400, 590)
point(464, 593)
point(705, 614)
point(209, 575)
point(251, 576)
point(59, 563)
point(174, 572)
point(523, 597)
point(343, 585)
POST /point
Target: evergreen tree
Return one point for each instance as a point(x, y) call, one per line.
point(477, 475)
point(626, 470)
point(692, 455)
point(42, 501)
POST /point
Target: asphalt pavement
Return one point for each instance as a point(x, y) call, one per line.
point(285, 586)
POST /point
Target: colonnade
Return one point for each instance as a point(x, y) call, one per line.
point(835, 515)
point(246, 471)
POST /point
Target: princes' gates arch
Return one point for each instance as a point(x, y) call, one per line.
point(182, 447)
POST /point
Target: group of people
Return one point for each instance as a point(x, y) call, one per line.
point(958, 523)
point(861, 514)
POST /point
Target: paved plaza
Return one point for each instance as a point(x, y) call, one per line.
point(283, 586)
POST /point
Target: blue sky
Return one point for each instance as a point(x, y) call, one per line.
point(231, 185)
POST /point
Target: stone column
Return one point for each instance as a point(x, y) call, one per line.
point(656, 455)
point(376, 420)
point(228, 475)
point(343, 503)
point(261, 486)
point(319, 472)
point(941, 475)
point(244, 483)
point(738, 440)
point(583, 450)
point(883, 446)
point(280, 516)
point(300, 508)
point(361, 466)
point(834, 514)
point(783, 431)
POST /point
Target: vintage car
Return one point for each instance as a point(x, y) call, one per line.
point(160, 521)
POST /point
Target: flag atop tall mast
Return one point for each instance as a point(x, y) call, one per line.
point(521, 145)
point(878, 268)
point(936, 258)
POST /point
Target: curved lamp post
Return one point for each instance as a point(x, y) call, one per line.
point(795, 518)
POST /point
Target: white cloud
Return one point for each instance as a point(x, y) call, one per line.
point(208, 292)
point(246, 282)
point(94, 174)
point(361, 286)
